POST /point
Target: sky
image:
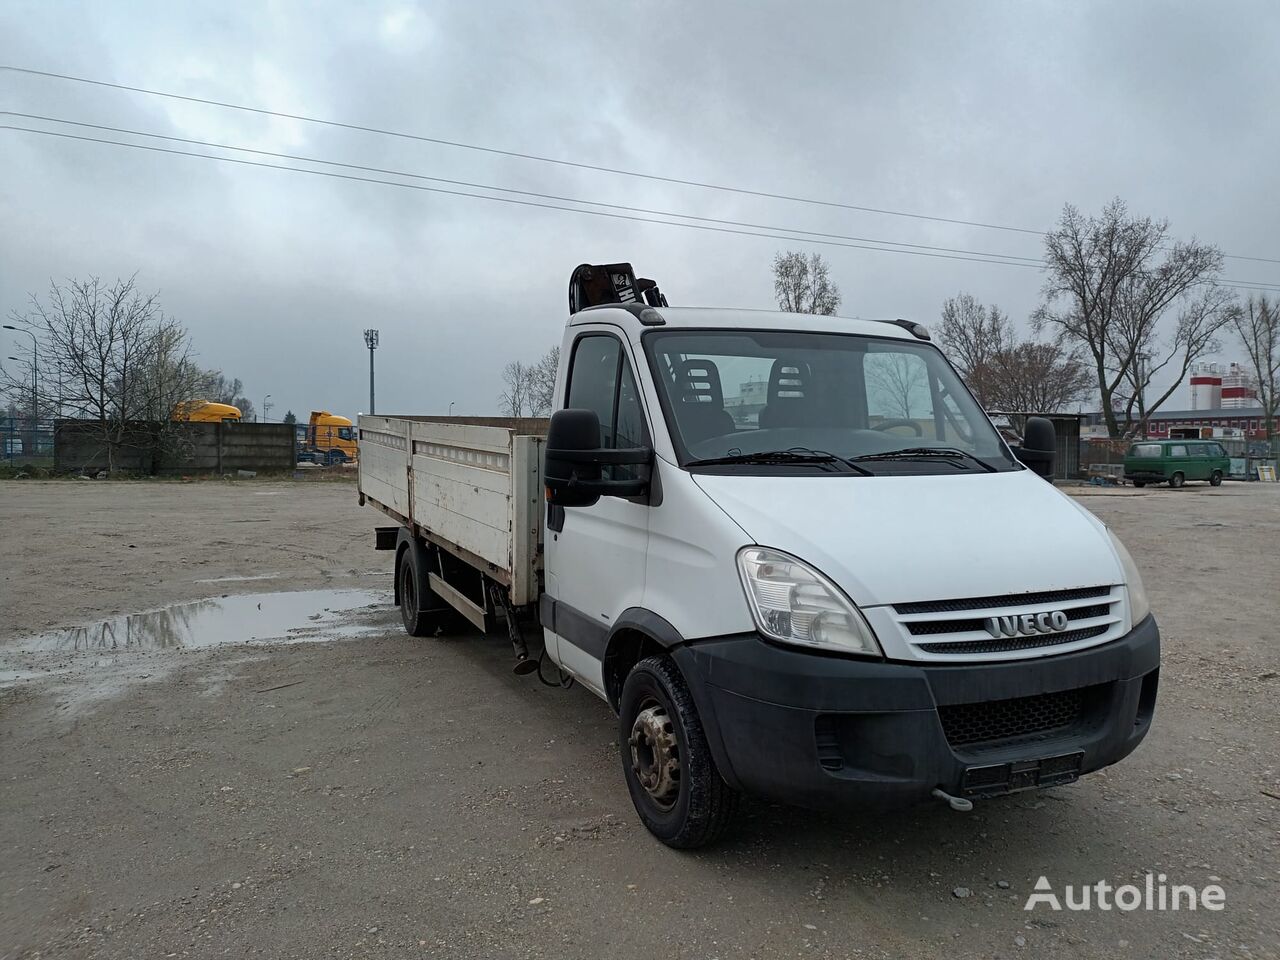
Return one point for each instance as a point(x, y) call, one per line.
point(997, 113)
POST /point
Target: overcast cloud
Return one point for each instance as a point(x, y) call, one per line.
point(997, 112)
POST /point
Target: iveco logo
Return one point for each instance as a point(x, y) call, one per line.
point(1026, 624)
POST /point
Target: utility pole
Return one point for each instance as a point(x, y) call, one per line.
point(371, 341)
point(35, 373)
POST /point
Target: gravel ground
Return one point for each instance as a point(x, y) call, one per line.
point(383, 796)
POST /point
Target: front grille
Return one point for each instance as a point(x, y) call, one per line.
point(1037, 717)
point(922, 628)
point(1009, 600)
point(1005, 644)
point(959, 628)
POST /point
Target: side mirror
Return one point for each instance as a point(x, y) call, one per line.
point(573, 470)
point(1039, 445)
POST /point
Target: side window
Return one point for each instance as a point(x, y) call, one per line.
point(1178, 450)
point(600, 379)
point(593, 380)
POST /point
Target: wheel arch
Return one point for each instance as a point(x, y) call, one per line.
point(636, 633)
point(406, 541)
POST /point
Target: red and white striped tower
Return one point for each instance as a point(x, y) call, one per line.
point(1206, 386)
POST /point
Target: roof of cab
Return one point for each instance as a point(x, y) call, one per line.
point(635, 315)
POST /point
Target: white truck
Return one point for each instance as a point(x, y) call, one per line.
point(790, 551)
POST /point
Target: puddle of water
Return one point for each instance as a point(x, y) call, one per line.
point(293, 617)
point(245, 579)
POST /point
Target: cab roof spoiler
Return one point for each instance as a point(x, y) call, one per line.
point(596, 285)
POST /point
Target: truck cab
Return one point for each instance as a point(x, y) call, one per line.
point(327, 438)
point(206, 411)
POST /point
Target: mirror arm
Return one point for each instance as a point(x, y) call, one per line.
point(627, 456)
point(608, 488)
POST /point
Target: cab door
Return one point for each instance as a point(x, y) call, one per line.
point(595, 556)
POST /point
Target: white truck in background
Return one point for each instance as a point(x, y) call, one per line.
point(790, 551)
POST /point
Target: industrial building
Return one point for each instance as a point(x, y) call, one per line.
point(1245, 423)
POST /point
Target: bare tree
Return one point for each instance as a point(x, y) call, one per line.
point(1002, 370)
point(1036, 377)
point(1257, 324)
point(514, 400)
point(972, 336)
point(119, 361)
point(530, 387)
point(542, 383)
point(1112, 280)
point(803, 284)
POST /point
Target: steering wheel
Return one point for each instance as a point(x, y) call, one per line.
point(891, 424)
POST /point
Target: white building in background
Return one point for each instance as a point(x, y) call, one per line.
point(1217, 386)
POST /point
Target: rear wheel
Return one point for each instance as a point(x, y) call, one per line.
point(674, 784)
point(1139, 484)
point(1177, 480)
point(1215, 478)
point(416, 603)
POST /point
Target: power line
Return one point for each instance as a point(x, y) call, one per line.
point(617, 171)
point(552, 206)
point(526, 193)
point(512, 200)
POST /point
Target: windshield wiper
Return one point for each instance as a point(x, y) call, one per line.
point(927, 453)
point(794, 455)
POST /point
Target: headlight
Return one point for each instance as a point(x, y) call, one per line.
point(794, 603)
point(1138, 605)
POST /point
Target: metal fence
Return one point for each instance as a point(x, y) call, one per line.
point(1104, 457)
point(24, 440)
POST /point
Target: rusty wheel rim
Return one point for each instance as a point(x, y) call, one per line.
point(655, 754)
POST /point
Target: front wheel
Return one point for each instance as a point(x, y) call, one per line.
point(1177, 480)
point(1139, 484)
point(673, 780)
point(1215, 478)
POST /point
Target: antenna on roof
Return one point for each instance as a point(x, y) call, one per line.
point(592, 285)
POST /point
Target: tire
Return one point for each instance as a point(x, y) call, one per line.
point(1215, 478)
point(1177, 480)
point(687, 803)
point(415, 600)
point(1139, 484)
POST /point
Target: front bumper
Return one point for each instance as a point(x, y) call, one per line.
point(826, 731)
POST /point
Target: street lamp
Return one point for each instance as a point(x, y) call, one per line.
point(266, 407)
point(35, 367)
point(451, 403)
point(371, 341)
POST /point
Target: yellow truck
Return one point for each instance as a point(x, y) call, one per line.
point(205, 411)
point(328, 438)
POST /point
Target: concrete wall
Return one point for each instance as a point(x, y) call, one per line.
point(196, 448)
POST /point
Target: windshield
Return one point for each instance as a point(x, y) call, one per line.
point(881, 406)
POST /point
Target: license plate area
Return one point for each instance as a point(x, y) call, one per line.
point(993, 779)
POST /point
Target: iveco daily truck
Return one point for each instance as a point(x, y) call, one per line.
point(790, 551)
